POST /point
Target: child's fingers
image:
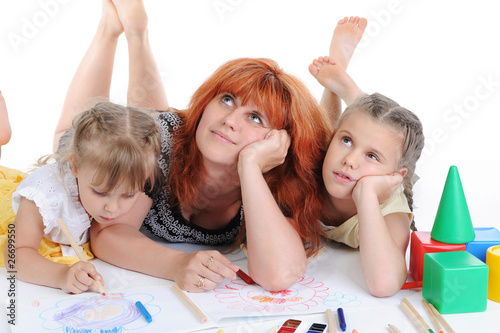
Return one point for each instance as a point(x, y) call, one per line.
point(88, 276)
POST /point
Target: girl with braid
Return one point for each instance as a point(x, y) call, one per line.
point(368, 174)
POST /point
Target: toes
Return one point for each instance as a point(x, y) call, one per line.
point(363, 22)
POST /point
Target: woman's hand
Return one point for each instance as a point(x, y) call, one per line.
point(382, 186)
point(267, 153)
point(80, 277)
point(203, 270)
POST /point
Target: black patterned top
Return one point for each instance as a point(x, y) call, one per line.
point(167, 222)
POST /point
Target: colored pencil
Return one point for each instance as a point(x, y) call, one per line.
point(434, 319)
point(411, 315)
point(394, 329)
point(441, 319)
point(331, 321)
point(419, 317)
point(196, 311)
point(77, 250)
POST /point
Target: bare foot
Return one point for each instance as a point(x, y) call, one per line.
point(346, 37)
point(110, 20)
point(133, 17)
point(331, 75)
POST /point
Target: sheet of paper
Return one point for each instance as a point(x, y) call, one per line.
point(115, 312)
point(317, 291)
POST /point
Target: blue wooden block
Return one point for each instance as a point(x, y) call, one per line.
point(485, 238)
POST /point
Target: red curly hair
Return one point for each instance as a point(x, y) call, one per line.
point(288, 105)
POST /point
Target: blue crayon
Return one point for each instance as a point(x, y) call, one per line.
point(143, 311)
point(342, 322)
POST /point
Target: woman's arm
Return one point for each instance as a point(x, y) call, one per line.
point(276, 255)
point(382, 240)
point(123, 245)
point(33, 268)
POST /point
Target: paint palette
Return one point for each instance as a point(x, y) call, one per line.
point(317, 328)
point(289, 326)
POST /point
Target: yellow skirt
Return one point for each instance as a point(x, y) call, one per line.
point(9, 181)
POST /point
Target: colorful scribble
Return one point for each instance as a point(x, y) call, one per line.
point(340, 299)
point(110, 313)
point(303, 295)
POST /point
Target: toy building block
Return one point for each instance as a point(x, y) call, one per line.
point(422, 243)
point(455, 282)
point(493, 262)
point(453, 223)
point(485, 238)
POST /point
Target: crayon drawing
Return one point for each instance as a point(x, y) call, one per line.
point(315, 292)
point(115, 312)
point(110, 313)
point(304, 295)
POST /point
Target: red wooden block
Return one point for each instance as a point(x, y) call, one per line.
point(422, 243)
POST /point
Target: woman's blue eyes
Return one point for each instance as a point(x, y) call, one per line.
point(227, 99)
point(230, 101)
point(255, 118)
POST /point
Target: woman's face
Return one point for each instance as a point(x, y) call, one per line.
point(226, 127)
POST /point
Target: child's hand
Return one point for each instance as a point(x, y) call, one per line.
point(267, 153)
point(381, 186)
point(80, 277)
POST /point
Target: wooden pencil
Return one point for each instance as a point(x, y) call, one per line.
point(196, 311)
point(394, 329)
point(409, 313)
point(331, 321)
point(434, 319)
point(441, 319)
point(417, 315)
point(79, 252)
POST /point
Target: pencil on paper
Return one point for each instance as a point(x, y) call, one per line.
point(197, 312)
point(79, 252)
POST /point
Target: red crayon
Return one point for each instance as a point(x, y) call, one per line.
point(411, 285)
point(245, 277)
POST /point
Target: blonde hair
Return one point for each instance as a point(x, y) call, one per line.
point(121, 143)
point(387, 111)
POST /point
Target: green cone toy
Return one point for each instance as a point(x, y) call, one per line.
point(453, 224)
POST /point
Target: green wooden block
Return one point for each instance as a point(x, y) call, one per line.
point(455, 282)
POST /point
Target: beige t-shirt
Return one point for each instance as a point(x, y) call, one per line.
point(348, 232)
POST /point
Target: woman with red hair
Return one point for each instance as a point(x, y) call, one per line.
point(242, 164)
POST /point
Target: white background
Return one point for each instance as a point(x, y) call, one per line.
point(439, 59)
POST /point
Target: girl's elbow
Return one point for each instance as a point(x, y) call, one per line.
point(280, 278)
point(384, 287)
